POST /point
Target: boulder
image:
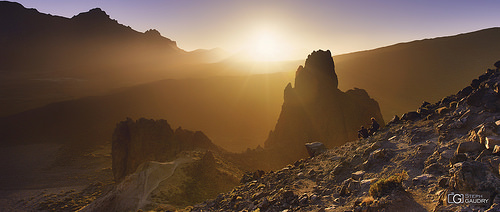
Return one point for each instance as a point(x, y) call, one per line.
point(474, 99)
point(315, 148)
point(373, 147)
point(358, 175)
point(378, 157)
point(472, 176)
point(497, 64)
point(484, 153)
point(496, 150)
point(482, 131)
point(491, 141)
point(443, 182)
point(410, 116)
point(459, 157)
point(446, 154)
point(494, 163)
point(435, 169)
point(469, 146)
point(423, 179)
point(394, 120)
point(442, 110)
point(465, 92)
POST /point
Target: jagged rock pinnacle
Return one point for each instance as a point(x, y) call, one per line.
point(316, 110)
point(320, 66)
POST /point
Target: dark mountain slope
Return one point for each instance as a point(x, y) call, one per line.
point(236, 112)
point(47, 58)
point(33, 41)
point(401, 76)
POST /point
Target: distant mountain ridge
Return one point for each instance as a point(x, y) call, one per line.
point(37, 37)
point(46, 58)
point(403, 75)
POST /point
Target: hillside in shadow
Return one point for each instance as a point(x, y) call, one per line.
point(235, 112)
point(401, 76)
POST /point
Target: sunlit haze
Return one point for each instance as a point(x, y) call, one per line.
point(249, 105)
point(276, 30)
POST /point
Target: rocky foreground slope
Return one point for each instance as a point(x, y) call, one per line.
point(443, 157)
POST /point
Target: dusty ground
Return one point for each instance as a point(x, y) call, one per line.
point(52, 177)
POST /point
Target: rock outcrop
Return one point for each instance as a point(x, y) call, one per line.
point(316, 110)
point(136, 142)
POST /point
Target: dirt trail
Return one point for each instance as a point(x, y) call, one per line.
point(132, 193)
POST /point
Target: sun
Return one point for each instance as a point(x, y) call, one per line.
point(266, 46)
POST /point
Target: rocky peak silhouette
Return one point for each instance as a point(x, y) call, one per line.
point(94, 15)
point(316, 110)
point(320, 64)
point(152, 33)
point(7, 7)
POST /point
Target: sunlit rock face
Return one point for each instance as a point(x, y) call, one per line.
point(135, 142)
point(316, 110)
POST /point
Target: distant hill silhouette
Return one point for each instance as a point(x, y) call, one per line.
point(235, 112)
point(401, 76)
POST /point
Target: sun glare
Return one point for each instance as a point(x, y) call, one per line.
point(267, 46)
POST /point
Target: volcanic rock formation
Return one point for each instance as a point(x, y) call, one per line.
point(136, 142)
point(316, 110)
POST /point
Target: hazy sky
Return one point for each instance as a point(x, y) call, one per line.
point(290, 29)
